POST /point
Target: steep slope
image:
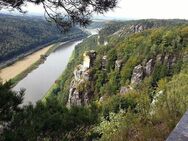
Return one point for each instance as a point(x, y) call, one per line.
point(132, 78)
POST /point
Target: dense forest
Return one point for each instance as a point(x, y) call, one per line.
point(135, 88)
point(22, 34)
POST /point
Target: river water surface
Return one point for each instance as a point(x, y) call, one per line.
point(39, 81)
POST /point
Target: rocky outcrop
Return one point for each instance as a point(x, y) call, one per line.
point(105, 43)
point(159, 59)
point(149, 67)
point(138, 28)
point(137, 75)
point(166, 57)
point(88, 59)
point(133, 28)
point(79, 93)
point(101, 99)
point(171, 61)
point(118, 64)
point(104, 62)
point(125, 90)
point(74, 98)
point(98, 43)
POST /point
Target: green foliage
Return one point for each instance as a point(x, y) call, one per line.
point(20, 35)
point(9, 102)
point(149, 111)
point(148, 122)
point(132, 49)
point(45, 121)
point(116, 103)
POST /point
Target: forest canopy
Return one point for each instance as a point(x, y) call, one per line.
point(22, 34)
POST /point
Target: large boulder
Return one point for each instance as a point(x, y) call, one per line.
point(137, 75)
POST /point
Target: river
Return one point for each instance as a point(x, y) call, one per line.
point(39, 81)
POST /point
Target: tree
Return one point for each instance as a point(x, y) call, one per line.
point(65, 13)
point(9, 105)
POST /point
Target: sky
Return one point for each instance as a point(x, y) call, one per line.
point(139, 9)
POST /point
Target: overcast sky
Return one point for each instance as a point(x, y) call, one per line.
point(141, 9)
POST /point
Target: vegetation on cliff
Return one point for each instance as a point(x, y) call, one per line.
point(136, 88)
point(161, 51)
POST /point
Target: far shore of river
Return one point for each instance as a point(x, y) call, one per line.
point(19, 66)
point(19, 69)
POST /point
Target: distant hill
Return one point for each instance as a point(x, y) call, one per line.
point(22, 34)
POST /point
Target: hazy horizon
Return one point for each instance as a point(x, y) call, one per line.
point(132, 10)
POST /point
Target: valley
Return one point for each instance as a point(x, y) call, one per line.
point(126, 81)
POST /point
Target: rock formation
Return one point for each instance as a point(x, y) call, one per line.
point(125, 90)
point(138, 75)
point(149, 67)
point(118, 64)
point(104, 62)
point(141, 71)
point(159, 59)
point(138, 28)
point(78, 96)
point(88, 59)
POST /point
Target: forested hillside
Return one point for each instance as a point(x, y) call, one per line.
point(134, 68)
point(21, 34)
point(127, 83)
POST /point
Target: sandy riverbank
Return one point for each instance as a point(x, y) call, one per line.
point(18, 67)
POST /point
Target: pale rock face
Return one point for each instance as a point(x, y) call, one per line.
point(118, 64)
point(86, 61)
point(81, 75)
point(171, 61)
point(105, 43)
point(159, 58)
point(98, 40)
point(149, 67)
point(166, 58)
point(101, 99)
point(138, 75)
point(88, 58)
point(104, 62)
point(78, 72)
point(125, 90)
point(137, 28)
point(154, 101)
point(74, 98)
point(126, 30)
